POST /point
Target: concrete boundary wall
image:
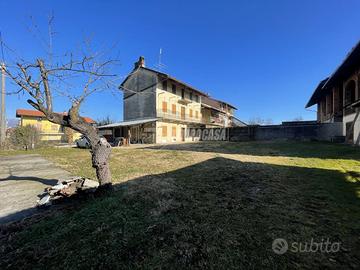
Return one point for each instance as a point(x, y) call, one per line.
point(302, 131)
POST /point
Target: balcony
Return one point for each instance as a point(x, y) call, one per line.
point(178, 116)
point(213, 120)
point(184, 101)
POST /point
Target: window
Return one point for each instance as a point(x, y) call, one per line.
point(191, 96)
point(173, 88)
point(164, 85)
point(190, 112)
point(182, 93)
point(174, 131)
point(196, 98)
point(173, 108)
point(164, 106)
point(164, 131)
point(196, 114)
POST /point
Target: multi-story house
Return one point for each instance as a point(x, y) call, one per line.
point(49, 132)
point(338, 97)
point(159, 108)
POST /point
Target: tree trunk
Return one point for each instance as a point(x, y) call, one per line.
point(100, 152)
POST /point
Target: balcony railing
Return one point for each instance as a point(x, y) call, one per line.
point(212, 120)
point(350, 108)
point(179, 116)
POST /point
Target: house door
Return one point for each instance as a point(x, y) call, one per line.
point(183, 134)
point(183, 113)
point(350, 132)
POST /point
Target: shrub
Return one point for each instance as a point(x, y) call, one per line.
point(26, 137)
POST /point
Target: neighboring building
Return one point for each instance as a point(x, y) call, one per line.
point(48, 131)
point(338, 97)
point(161, 109)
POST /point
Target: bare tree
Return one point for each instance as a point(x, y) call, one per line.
point(41, 98)
point(298, 118)
point(44, 80)
point(105, 121)
point(260, 121)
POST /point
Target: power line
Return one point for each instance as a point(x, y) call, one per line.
point(2, 48)
point(2, 118)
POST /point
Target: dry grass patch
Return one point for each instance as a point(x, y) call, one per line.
point(205, 205)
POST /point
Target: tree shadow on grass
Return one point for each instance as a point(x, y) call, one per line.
point(217, 214)
point(269, 148)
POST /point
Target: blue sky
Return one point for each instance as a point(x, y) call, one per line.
point(265, 57)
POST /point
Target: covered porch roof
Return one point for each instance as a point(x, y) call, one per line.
point(128, 123)
point(347, 67)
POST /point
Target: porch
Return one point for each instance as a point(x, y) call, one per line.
point(130, 132)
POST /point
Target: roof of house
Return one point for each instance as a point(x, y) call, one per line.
point(238, 122)
point(168, 77)
point(25, 112)
point(215, 103)
point(178, 81)
point(350, 63)
point(317, 94)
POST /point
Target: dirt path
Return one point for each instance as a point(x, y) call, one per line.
point(22, 179)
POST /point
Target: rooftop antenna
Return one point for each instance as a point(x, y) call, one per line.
point(160, 66)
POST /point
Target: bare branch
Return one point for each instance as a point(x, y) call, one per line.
point(45, 81)
point(81, 71)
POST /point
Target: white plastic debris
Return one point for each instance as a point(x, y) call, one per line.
point(58, 186)
point(44, 200)
point(67, 188)
point(89, 184)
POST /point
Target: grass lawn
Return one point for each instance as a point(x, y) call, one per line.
point(204, 205)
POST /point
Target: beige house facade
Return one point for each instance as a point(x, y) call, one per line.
point(159, 108)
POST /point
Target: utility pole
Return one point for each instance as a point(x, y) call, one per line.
point(2, 117)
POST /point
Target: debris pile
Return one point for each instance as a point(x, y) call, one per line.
point(67, 188)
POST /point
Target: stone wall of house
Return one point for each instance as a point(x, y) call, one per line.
point(140, 95)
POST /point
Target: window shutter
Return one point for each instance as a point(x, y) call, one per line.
point(164, 131)
point(182, 112)
point(164, 106)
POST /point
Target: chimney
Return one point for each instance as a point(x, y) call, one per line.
point(140, 62)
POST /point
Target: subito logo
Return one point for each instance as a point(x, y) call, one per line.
point(280, 246)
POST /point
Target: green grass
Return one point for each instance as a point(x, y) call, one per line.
point(206, 205)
